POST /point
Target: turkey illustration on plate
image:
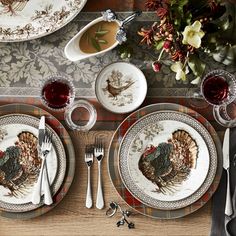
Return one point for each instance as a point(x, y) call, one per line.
point(19, 164)
point(169, 164)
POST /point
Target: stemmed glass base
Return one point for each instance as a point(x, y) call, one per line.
point(225, 115)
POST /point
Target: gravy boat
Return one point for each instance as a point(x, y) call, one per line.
point(72, 50)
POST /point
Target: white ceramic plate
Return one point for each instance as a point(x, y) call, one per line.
point(20, 162)
point(167, 160)
point(121, 87)
point(30, 19)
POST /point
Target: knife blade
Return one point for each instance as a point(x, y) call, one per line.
point(226, 165)
point(41, 131)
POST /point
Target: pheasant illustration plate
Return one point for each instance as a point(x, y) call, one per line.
point(22, 20)
point(167, 160)
point(20, 162)
point(121, 87)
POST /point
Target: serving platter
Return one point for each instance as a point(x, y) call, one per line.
point(22, 20)
point(20, 163)
point(167, 160)
point(113, 163)
point(66, 141)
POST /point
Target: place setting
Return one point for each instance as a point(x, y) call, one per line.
point(37, 161)
point(127, 150)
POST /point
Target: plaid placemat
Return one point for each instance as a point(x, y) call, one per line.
point(115, 176)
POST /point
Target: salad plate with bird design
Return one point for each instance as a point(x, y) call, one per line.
point(22, 20)
point(167, 160)
point(121, 87)
point(20, 162)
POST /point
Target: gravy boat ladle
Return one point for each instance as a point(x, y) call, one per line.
point(74, 53)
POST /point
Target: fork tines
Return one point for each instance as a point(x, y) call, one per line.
point(48, 137)
point(99, 144)
point(89, 155)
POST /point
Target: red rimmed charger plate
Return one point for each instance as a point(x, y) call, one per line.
point(70, 154)
point(120, 187)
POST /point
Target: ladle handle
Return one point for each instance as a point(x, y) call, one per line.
point(131, 17)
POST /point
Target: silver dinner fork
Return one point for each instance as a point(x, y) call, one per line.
point(45, 149)
point(89, 162)
point(99, 154)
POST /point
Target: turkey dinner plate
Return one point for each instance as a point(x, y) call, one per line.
point(20, 162)
point(167, 160)
point(22, 20)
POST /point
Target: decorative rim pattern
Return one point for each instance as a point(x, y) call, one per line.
point(124, 152)
point(70, 156)
point(115, 176)
point(43, 22)
point(60, 152)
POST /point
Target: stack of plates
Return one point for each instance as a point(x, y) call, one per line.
point(20, 164)
point(165, 161)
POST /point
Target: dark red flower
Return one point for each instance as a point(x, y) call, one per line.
point(213, 5)
point(162, 12)
point(152, 4)
point(169, 27)
point(167, 44)
point(156, 66)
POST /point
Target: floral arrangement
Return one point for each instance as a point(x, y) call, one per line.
point(183, 29)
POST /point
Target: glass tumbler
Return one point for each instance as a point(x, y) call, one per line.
point(75, 113)
point(57, 92)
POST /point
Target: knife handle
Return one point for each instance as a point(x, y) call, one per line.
point(36, 196)
point(46, 187)
point(228, 203)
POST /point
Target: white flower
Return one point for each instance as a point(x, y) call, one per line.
point(178, 69)
point(196, 81)
point(193, 34)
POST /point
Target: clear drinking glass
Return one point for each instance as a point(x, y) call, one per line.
point(57, 92)
point(75, 113)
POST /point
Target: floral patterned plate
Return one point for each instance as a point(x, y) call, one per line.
point(121, 87)
point(168, 160)
point(22, 20)
point(20, 162)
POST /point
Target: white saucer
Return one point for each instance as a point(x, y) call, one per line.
point(121, 87)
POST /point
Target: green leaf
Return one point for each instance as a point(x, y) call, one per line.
point(99, 27)
point(196, 65)
point(101, 33)
point(102, 41)
point(95, 44)
point(159, 44)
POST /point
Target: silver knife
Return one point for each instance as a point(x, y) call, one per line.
point(44, 175)
point(226, 164)
point(41, 131)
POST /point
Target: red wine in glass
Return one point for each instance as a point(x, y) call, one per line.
point(215, 89)
point(57, 94)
